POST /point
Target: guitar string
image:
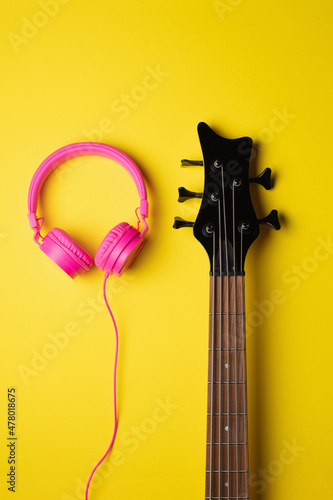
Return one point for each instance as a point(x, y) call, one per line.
point(227, 332)
point(245, 440)
point(220, 419)
point(235, 335)
point(212, 377)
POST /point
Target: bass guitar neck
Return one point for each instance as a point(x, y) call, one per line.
point(227, 471)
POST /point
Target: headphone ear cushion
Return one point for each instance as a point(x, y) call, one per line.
point(65, 252)
point(110, 239)
point(118, 249)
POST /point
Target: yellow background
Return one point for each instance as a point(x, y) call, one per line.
point(79, 70)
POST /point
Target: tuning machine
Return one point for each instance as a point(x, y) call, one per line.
point(264, 179)
point(191, 163)
point(272, 219)
point(185, 194)
point(179, 223)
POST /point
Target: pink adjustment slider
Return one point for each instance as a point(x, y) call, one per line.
point(33, 220)
point(144, 208)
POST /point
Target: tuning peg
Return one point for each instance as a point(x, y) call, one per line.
point(264, 178)
point(179, 222)
point(184, 194)
point(191, 163)
point(272, 220)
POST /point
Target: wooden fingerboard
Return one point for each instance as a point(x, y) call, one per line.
point(227, 471)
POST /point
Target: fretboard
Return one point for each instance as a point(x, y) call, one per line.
point(227, 475)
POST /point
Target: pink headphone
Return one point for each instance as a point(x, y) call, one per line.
point(119, 247)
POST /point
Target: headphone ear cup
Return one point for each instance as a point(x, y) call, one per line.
point(66, 253)
point(119, 249)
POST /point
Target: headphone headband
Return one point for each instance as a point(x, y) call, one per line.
point(82, 149)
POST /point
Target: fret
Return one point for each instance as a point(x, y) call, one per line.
point(229, 413)
point(232, 484)
point(226, 471)
point(230, 382)
point(227, 498)
point(228, 313)
point(229, 444)
point(227, 349)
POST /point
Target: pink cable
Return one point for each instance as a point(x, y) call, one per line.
point(114, 389)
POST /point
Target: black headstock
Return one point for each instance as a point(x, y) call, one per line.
point(226, 224)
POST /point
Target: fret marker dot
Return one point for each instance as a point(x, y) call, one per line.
point(226, 485)
point(227, 428)
point(226, 365)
